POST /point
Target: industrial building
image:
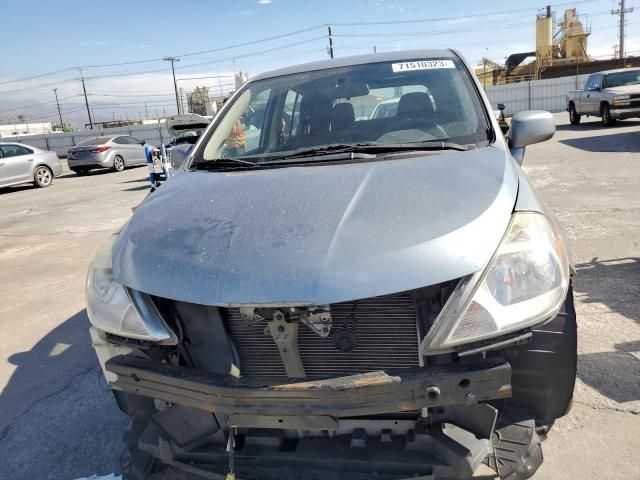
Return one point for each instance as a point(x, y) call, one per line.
point(561, 50)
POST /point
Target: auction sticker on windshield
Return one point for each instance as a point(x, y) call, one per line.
point(422, 65)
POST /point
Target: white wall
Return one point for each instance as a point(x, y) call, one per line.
point(25, 128)
point(547, 94)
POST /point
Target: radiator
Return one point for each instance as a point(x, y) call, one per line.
point(385, 328)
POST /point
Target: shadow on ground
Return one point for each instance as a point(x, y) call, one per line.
point(616, 284)
point(594, 124)
point(616, 142)
point(57, 419)
point(19, 188)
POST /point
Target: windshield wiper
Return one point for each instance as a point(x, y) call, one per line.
point(222, 164)
point(372, 148)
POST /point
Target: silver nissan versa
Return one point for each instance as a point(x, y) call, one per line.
point(333, 295)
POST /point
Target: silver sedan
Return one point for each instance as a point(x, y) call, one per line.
point(116, 152)
point(21, 163)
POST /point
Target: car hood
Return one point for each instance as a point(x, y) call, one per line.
point(318, 234)
point(624, 89)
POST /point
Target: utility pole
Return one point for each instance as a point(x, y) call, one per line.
point(620, 12)
point(175, 84)
point(330, 50)
point(86, 99)
point(146, 110)
point(484, 68)
point(181, 110)
point(55, 91)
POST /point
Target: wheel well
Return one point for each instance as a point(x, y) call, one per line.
point(42, 165)
point(571, 104)
point(603, 103)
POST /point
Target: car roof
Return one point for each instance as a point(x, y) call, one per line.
point(357, 60)
point(618, 70)
point(35, 149)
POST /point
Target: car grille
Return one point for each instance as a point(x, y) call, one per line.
point(385, 328)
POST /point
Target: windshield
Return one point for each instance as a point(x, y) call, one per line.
point(632, 77)
point(379, 103)
point(94, 141)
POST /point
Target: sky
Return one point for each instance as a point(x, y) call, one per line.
point(58, 36)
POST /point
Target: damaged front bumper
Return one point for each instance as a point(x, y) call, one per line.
point(344, 428)
point(356, 395)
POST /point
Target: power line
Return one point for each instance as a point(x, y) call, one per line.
point(132, 95)
point(36, 76)
point(151, 60)
point(24, 107)
point(275, 37)
point(441, 19)
point(254, 42)
point(209, 62)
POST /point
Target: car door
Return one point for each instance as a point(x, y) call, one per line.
point(16, 164)
point(124, 149)
point(592, 95)
point(137, 149)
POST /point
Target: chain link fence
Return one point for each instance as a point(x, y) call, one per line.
point(153, 134)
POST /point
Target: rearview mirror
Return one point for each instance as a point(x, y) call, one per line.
point(527, 128)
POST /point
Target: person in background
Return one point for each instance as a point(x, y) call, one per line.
point(236, 141)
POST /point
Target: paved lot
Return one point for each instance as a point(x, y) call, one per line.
point(57, 421)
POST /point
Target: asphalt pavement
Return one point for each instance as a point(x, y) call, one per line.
point(58, 420)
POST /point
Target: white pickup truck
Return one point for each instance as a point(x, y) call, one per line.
point(611, 95)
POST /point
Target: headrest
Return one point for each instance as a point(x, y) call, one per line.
point(342, 116)
point(415, 103)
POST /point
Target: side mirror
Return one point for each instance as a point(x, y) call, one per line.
point(527, 128)
point(501, 107)
point(143, 142)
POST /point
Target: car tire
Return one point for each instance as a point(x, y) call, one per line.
point(118, 163)
point(574, 117)
point(605, 114)
point(42, 176)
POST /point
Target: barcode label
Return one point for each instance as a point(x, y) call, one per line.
point(422, 65)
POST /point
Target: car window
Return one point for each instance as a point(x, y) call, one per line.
point(243, 132)
point(94, 141)
point(429, 100)
point(598, 81)
point(120, 140)
point(133, 141)
point(619, 79)
point(14, 150)
point(291, 114)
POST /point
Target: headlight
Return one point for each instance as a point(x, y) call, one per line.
point(524, 284)
point(621, 97)
point(111, 307)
